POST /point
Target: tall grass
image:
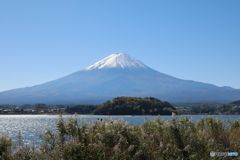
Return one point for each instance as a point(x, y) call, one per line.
point(179, 138)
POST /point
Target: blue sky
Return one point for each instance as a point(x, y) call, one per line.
point(44, 40)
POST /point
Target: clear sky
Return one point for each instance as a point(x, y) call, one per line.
point(42, 40)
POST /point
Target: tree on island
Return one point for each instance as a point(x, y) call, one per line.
point(134, 106)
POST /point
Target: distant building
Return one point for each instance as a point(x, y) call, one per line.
point(6, 111)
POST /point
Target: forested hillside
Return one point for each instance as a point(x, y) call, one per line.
point(134, 106)
point(237, 103)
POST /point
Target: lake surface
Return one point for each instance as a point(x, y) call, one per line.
point(33, 125)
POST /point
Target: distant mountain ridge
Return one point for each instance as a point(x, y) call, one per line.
point(118, 75)
point(237, 103)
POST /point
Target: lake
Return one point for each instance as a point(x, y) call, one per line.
point(33, 125)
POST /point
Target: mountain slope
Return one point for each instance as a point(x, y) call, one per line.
point(117, 75)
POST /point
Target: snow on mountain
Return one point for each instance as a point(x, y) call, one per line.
point(117, 60)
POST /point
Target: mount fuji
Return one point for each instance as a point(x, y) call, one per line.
point(118, 75)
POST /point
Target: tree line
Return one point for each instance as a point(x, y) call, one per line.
point(81, 109)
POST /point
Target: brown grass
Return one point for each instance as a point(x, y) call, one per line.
point(179, 138)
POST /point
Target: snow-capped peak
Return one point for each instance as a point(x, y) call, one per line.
point(117, 60)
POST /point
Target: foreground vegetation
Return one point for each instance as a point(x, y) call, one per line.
point(179, 138)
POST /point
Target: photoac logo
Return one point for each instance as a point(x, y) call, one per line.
point(222, 154)
point(212, 154)
point(232, 153)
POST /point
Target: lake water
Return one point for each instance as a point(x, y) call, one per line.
point(32, 125)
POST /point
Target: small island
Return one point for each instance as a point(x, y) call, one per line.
point(135, 106)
